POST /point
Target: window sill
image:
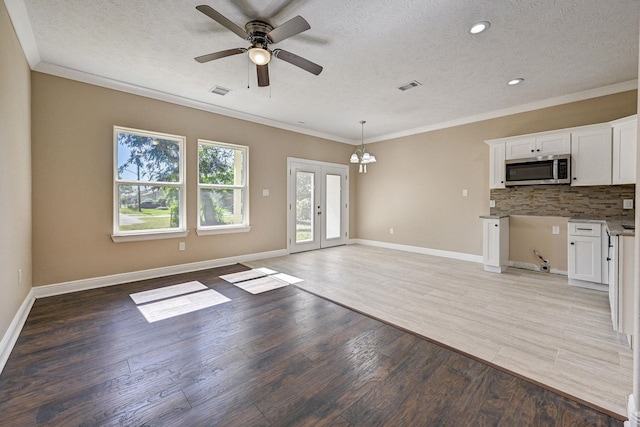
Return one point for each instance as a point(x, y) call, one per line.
point(223, 230)
point(122, 238)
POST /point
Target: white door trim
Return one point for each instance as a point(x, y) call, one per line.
point(345, 191)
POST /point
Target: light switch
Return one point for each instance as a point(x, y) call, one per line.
point(465, 193)
point(627, 204)
point(555, 229)
point(265, 192)
point(492, 203)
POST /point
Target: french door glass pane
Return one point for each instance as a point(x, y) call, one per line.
point(333, 206)
point(304, 206)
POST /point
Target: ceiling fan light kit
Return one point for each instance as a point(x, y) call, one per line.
point(364, 158)
point(259, 56)
point(260, 34)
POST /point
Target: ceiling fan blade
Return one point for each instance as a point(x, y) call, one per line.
point(298, 61)
point(263, 75)
point(289, 29)
point(220, 19)
point(221, 54)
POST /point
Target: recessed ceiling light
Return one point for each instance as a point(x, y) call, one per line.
point(479, 27)
point(515, 81)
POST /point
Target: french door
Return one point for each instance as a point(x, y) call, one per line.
point(318, 196)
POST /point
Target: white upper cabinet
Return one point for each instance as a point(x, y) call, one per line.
point(520, 148)
point(591, 155)
point(553, 143)
point(601, 154)
point(538, 145)
point(496, 165)
point(625, 139)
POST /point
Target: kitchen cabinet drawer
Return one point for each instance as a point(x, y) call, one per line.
point(585, 229)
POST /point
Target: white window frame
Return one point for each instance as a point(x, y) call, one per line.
point(203, 230)
point(118, 235)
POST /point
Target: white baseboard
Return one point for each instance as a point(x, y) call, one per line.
point(420, 250)
point(118, 279)
point(11, 336)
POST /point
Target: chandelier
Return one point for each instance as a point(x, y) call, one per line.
point(361, 156)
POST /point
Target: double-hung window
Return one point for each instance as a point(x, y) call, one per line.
point(223, 188)
point(149, 185)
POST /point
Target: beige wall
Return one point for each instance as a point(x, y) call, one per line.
point(15, 173)
point(416, 186)
point(527, 233)
point(73, 189)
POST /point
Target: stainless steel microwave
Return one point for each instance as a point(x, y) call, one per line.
point(538, 170)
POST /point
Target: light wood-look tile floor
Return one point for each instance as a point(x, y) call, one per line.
point(532, 324)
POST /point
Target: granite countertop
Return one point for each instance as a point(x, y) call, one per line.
point(493, 216)
point(615, 226)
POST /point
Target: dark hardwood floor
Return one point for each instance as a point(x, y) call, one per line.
point(281, 358)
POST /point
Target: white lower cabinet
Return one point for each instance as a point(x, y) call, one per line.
point(621, 260)
point(585, 254)
point(587, 249)
point(495, 244)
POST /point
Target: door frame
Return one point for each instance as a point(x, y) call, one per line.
point(290, 200)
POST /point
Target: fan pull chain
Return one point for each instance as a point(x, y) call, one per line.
point(248, 71)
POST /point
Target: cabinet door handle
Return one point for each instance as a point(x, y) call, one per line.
point(574, 178)
point(532, 151)
point(495, 225)
point(572, 243)
point(608, 259)
point(538, 149)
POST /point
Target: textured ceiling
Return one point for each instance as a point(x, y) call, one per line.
point(367, 48)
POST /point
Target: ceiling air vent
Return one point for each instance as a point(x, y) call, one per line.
point(219, 90)
point(409, 85)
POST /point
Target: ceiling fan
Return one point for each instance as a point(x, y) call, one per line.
point(260, 34)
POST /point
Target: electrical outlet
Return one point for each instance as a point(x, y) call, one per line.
point(391, 231)
point(492, 203)
point(627, 204)
point(265, 192)
point(555, 229)
point(465, 193)
point(181, 246)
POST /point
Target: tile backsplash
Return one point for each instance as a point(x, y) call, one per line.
point(598, 202)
